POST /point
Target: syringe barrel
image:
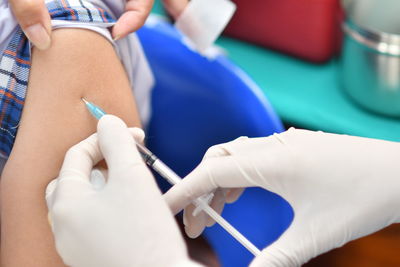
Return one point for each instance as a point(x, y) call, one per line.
point(173, 178)
point(166, 172)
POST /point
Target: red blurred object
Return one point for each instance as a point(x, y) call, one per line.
point(309, 29)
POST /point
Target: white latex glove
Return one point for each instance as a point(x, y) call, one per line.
point(340, 187)
point(125, 223)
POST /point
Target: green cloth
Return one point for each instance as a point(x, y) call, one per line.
point(306, 95)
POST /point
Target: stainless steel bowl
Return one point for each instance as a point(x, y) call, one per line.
point(370, 61)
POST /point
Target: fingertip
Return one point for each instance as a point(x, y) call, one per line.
point(129, 22)
point(117, 34)
point(87, 151)
point(51, 187)
point(111, 127)
point(210, 222)
point(217, 204)
point(176, 7)
point(190, 233)
point(216, 151)
point(174, 200)
point(117, 145)
point(38, 36)
point(97, 178)
point(138, 134)
point(234, 194)
point(195, 185)
point(110, 122)
point(194, 225)
point(47, 25)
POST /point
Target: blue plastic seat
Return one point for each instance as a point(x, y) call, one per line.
point(199, 102)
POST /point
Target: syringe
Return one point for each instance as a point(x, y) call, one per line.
point(156, 164)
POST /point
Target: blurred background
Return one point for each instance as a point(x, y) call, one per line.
point(325, 65)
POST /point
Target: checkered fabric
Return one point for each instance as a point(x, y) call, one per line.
point(15, 63)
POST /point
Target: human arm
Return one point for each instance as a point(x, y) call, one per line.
point(80, 63)
point(340, 187)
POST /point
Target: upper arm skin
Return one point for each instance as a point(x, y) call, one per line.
point(79, 64)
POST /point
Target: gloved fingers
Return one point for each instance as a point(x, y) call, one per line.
point(175, 7)
point(75, 171)
point(224, 149)
point(34, 19)
point(138, 134)
point(233, 194)
point(120, 152)
point(81, 158)
point(211, 174)
point(215, 151)
point(190, 188)
point(136, 13)
point(221, 149)
point(222, 196)
point(194, 226)
point(217, 203)
point(98, 177)
point(199, 221)
point(49, 194)
point(68, 187)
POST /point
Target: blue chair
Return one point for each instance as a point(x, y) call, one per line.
point(199, 102)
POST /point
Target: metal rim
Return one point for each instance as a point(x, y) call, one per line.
point(381, 42)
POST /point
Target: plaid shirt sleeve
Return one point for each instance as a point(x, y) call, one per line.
point(15, 64)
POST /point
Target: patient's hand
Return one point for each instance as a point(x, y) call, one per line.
point(137, 11)
point(34, 19)
point(175, 7)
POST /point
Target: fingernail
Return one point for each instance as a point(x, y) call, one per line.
point(116, 38)
point(38, 35)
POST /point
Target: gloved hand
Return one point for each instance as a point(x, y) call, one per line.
point(125, 223)
point(34, 19)
point(340, 187)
